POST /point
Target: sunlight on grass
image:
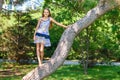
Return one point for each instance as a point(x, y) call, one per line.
point(68, 72)
point(76, 73)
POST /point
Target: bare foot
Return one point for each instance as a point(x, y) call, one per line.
point(40, 64)
point(49, 60)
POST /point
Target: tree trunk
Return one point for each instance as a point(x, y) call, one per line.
point(66, 41)
point(1, 2)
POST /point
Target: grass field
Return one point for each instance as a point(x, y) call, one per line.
point(68, 72)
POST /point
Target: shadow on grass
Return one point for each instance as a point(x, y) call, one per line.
point(13, 71)
point(67, 72)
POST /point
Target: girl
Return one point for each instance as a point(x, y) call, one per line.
point(41, 35)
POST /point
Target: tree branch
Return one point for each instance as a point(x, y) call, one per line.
point(66, 41)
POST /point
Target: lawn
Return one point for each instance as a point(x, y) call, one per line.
point(67, 72)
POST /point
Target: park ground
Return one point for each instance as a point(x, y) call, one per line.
point(13, 71)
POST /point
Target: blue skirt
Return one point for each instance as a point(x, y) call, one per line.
point(42, 38)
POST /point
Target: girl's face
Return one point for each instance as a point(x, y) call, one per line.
point(46, 13)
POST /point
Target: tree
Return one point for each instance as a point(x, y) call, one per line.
point(1, 2)
point(11, 1)
point(67, 38)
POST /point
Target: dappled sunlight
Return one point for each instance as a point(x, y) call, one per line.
point(77, 73)
point(68, 72)
point(11, 70)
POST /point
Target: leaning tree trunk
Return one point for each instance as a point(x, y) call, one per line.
point(1, 2)
point(66, 41)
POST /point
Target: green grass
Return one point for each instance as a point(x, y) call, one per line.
point(71, 72)
point(77, 73)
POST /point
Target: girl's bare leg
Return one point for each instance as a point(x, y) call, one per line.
point(41, 51)
point(38, 53)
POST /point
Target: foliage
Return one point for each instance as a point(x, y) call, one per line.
point(103, 33)
point(103, 44)
point(17, 38)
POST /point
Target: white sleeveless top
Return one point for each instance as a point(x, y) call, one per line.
point(42, 33)
point(44, 26)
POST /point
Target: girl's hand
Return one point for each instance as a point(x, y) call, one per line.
point(65, 27)
point(34, 38)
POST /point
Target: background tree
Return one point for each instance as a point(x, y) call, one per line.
point(1, 3)
point(16, 31)
point(66, 40)
point(102, 33)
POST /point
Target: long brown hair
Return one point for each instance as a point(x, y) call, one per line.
point(48, 16)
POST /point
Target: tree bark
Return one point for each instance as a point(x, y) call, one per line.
point(66, 41)
point(1, 3)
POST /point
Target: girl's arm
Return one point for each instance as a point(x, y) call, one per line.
point(59, 24)
point(37, 26)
